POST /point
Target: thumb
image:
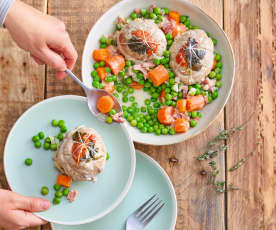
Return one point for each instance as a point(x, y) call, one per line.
point(52, 58)
point(32, 204)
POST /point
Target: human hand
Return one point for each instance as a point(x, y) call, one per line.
point(16, 210)
point(44, 36)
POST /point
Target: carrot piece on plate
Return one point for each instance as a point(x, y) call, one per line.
point(178, 29)
point(165, 115)
point(214, 64)
point(101, 54)
point(162, 96)
point(181, 105)
point(116, 63)
point(158, 75)
point(64, 180)
point(101, 73)
point(195, 103)
point(108, 86)
point(175, 16)
point(181, 125)
point(105, 104)
point(136, 85)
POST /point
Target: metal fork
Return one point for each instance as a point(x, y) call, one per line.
point(140, 218)
point(93, 96)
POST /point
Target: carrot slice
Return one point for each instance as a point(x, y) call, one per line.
point(116, 63)
point(214, 64)
point(64, 180)
point(105, 104)
point(195, 103)
point(158, 75)
point(165, 115)
point(108, 86)
point(178, 29)
point(101, 73)
point(162, 96)
point(175, 16)
point(181, 105)
point(136, 85)
point(101, 54)
point(181, 125)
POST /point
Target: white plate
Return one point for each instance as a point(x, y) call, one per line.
point(105, 25)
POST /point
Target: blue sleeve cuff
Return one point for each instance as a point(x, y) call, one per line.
point(4, 8)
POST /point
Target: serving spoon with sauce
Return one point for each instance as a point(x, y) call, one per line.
point(93, 95)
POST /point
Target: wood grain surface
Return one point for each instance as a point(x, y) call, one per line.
point(251, 28)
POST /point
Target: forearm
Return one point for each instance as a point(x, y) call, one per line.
point(4, 8)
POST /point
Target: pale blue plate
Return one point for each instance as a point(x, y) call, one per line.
point(149, 179)
point(94, 199)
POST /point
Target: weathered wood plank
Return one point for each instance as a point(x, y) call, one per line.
point(199, 206)
point(253, 207)
point(21, 84)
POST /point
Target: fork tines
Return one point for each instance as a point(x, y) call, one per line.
point(149, 209)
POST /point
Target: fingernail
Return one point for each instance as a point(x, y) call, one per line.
point(45, 204)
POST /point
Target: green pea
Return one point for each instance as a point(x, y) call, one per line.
point(218, 57)
point(134, 104)
point(107, 156)
point(193, 123)
point(95, 84)
point(163, 61)
point(128, 80)
point(112, 112)
point(156, 105)
point(147, 101)
point(171, 81)
point(41, 135)
point(219, 65)
point(44, 190)
point(130, 110)
point(53, 147)
point(166, 53)
point(35, 138)
point(156, 21)
point(116, 95)
point(218, 70)
point(170, 42)
point(218, 76)
point(171, 131)
point(57, 187)
point(118, 27)
point(144, 129)
point(168, 102)
point(214, 95)
point(164, 131)
point(133, 15)
point(152, 15)
point(157, 10)
point(187, 23)
point(130, 118)
point(143, 12)
point(108, 79)
point(143, 109)
point(212, 74)
point(166, 11)
point(169, 36)
point(214, 41)
point(56, 201)
point(147, 84)
point(199, 114)
point(183, 18)
point(48, 140)
point(141, 82)
point(37, 144)
point(198, 92)
point(60, 136)
point(189, 114)
point(157, 132)
point(168, 96)
point(103, 46)
point(173, 103)
point(54, 123)
point(94, 73)
point(140, 125)
point(194, 114)
point(28, 161)
point(63, 129)
point(180, 95)
point(218, 84)
point(125, 99)
point(102, 63)
point(125, 114)
point(108, 120)
point(210, 99)
point(103, 39)
point(133, 123)
point(107, 70)
point(58, 194)
point(65, 191)
point(156, 61)
point(96, 65)
point(132, 98)
point(46, 146)
point(195, 27)
point(171, 74)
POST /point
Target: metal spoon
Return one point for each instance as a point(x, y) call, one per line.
point(93, 96)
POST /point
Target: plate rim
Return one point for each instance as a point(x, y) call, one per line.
point(232, 56)
point(167, 178)
point(126, 187)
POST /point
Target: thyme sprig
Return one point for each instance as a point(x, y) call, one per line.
point(240, 162)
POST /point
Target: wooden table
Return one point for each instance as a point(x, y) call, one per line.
point(251, 29)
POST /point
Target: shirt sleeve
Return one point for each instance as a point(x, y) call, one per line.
point(4, 8)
